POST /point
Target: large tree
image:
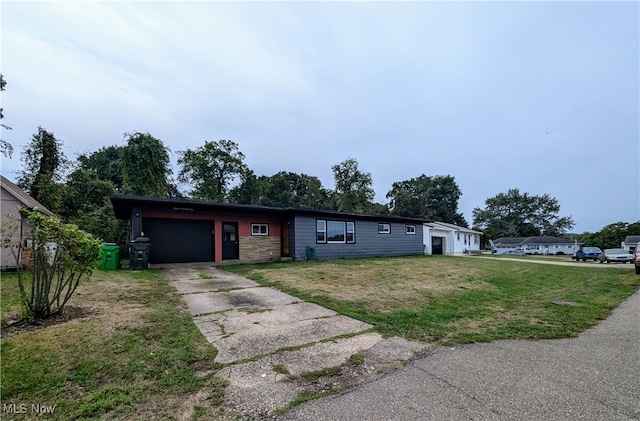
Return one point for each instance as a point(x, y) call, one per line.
point(44, 168)
point(283, 189)
point(146, 169)
point(249, 190)
point(288, 189)
point(211, 168)
point(515, 214)
point(106, 163)
point(427, 197)
point(86, 203)
point(353, 188)
point(5, 147)
point(609, 236)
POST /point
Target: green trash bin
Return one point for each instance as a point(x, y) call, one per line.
point(311, 253)
point(110, 257)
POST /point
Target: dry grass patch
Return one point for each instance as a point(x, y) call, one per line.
point(386, 286)
point(454, 299)
point(126, 349)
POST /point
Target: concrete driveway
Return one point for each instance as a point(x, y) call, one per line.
point(276, 348)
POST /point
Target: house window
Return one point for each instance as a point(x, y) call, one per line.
point(410, 229)
point(321, 231)
point(351, 232)
point(259, 229)
point(335, 231)
point(384, 228)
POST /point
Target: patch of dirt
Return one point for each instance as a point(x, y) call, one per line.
point(127, 315)
point(70, 313)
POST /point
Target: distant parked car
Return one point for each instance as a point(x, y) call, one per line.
point(514, 252)
point(636, 260)
point(587, 253)
point(616, 255)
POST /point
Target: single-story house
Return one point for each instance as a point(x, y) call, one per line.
point(13, 198)
point(449, 239)
point(537, 245)
point(184, 231)
point(630, 242)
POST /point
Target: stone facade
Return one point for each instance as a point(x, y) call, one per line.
point(259, 248)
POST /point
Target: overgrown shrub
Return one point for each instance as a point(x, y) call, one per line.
point(61, 255)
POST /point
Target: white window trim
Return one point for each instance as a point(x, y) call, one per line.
point(349, 228)
point(383, 230)
point(259, 226)
point(352, 232)
point(410, 229)
point(323, 231)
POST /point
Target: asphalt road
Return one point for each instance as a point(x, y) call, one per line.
point(595, 376)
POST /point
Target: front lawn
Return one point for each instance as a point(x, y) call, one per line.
point(126, 349)
point(453, 299)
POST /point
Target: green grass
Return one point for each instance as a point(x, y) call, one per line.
point(134, 353)
point(455, 300)
point(11, 309)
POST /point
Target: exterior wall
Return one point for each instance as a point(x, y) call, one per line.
point(448, 242)
point(11, 223)
point(465, 241)
point(252, 248)
point(548, 248)
point(250, 245)
point(255, 248)
point(455, 242)
point(368, 242)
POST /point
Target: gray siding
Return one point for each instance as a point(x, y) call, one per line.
point(369, 243)
point(10, 217)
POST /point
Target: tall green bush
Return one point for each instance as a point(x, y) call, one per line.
point(61, 255)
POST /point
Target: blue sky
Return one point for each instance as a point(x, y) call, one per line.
point(540, 96)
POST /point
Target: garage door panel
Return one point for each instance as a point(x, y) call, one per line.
point(179, 241)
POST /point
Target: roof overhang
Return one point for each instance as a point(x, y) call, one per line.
point(123, 206)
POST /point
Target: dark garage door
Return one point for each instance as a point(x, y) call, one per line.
point(179, 240)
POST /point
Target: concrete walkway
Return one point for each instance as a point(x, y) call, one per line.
point(276, 347)
point(595, 376)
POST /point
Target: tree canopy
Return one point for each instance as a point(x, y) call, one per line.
point(211, 168)
point(515, 214)
point(353, 188)
point(106, 162)
point(283, 189)
point(142, 167)
point(146, 169)
point(86, 203)
point(609, 236)
point(427, 197)
point(44, 167)
point(5, 147)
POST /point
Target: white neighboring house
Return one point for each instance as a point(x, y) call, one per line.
point(13, 198)
point(630, 242)
point(449, 239)
point(537, 245)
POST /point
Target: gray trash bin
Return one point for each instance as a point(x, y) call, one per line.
point(139, 256)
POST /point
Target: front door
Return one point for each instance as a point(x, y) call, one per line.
point(285, 238)
point(436, 245)
point(230, 248)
